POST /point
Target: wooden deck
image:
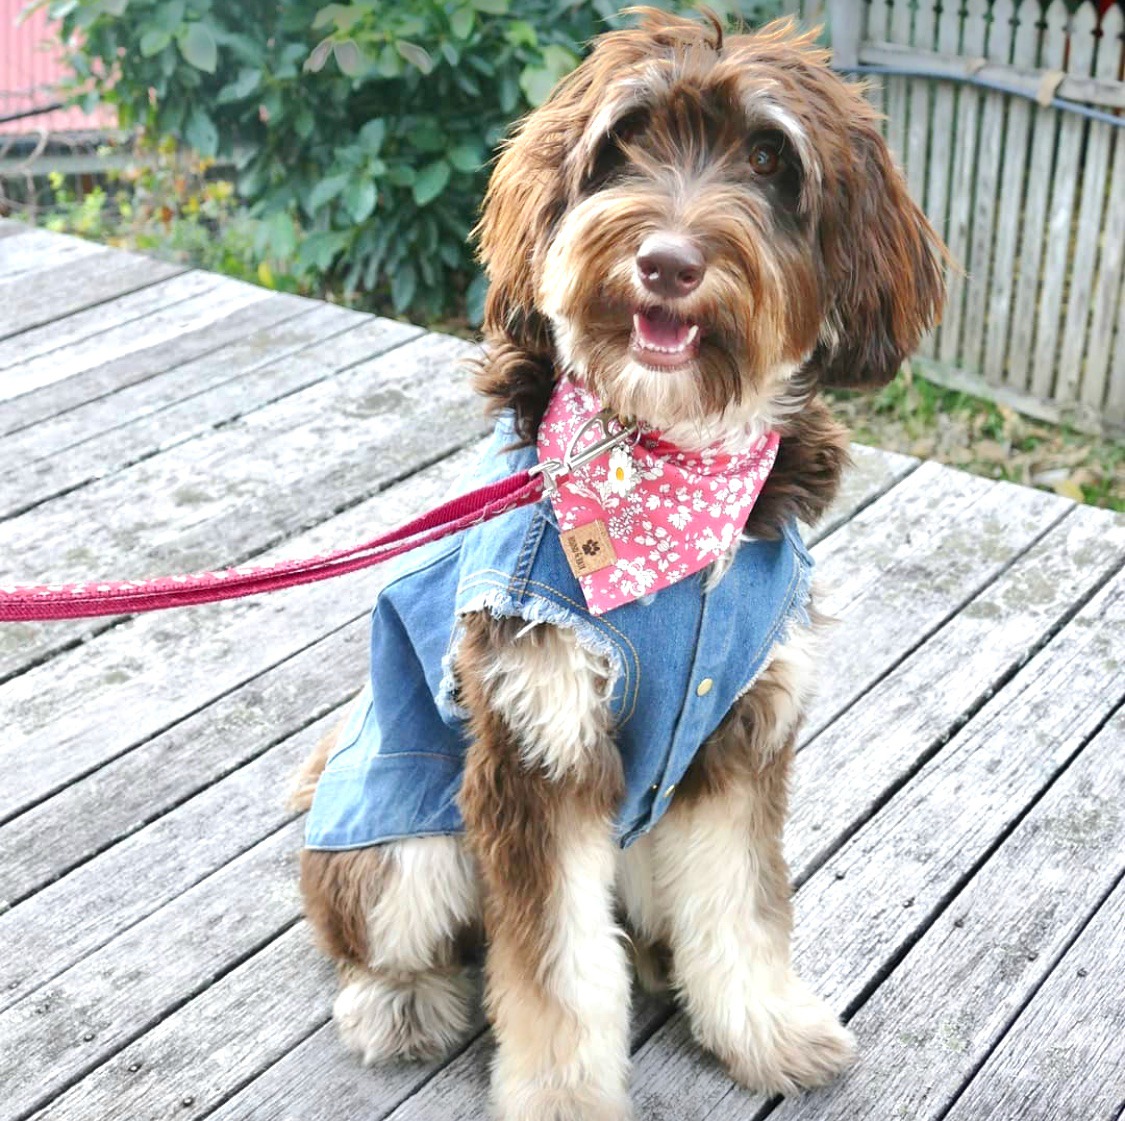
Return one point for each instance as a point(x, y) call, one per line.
point(958, 833)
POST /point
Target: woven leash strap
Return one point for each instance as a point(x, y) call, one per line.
point(45, 602)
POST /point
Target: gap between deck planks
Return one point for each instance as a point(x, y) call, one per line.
point(240, 489)
point(185, 402)
point(76, 286)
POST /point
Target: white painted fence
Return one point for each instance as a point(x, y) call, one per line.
point(1030, 199)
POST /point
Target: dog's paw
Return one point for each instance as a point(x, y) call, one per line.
point(555, 1103)
point(799, 1043)
point(421, 1017)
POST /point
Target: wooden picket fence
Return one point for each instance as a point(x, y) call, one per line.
point(1029, 199)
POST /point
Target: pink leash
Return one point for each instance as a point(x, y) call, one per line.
point(80, 601)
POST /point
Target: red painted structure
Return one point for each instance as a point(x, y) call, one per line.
point(30, 68)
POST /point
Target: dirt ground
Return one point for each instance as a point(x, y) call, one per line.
point(915, 416)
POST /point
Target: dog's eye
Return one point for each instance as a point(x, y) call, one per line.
point(767, 155)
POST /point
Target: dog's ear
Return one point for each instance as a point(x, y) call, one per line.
point(526, 196)
point(884, 268)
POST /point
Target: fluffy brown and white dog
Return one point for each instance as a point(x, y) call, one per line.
point(703, 230)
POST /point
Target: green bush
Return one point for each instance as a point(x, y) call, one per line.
point(361, 131)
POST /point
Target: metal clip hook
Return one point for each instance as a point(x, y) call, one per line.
point(554, 470)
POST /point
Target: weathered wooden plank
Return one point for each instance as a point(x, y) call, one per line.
point(845, 773)
point(938, 568)
point(57, 1033)
point(136, 322)
point(97, 384)
point(70, 707)
point(923, 36)
point(199, 396)
point(875, 18)
point(1091, 221)
point(856, 915)
point(992, 151)
point(1109, 295)
point(87, 817)
point(54, 930)
point(1064, 1057)
point(1045, 123)
point(965, 155)
point(941, 155)
point(228, 495)
point(29, 251)
point(278, 327)
point(1112, 260)
point(461, 1089)
point(872, 472)
point(75, 285)
point(189, 1063)
point(897, 98)
point(1025, 48)
point(1058, 263)
point(319, 1081)
point(945, 1006)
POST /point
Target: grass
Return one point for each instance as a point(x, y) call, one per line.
point(917, 417)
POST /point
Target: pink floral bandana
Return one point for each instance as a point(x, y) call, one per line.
point(641, 518)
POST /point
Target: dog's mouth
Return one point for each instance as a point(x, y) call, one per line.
point(663, 340)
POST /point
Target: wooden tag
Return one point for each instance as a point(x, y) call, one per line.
point(588, 548)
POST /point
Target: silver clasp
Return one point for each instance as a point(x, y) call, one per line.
point(614, 432)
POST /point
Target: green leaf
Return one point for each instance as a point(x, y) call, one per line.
point(349, 58)
point(389, 64)
point(319, 249)
point(199, 48)
point(282, 235)
point(114, 7)
point(243, 86)
point(520, 33)
point(428, 136)
point(416, 55)
point(474, 299)
point(431, 182)
point(401, 175)
point(538, 81)
point(359, 197)
point(467, 157)
point(343, 16)
point(492, 7)
point(154, 41)
point(324, 192)
point(372, 135)
point(461, 22)
point(201, 133)
point(169, 16)
point(404, 284)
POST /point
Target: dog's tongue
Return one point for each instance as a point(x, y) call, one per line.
point(659, 329)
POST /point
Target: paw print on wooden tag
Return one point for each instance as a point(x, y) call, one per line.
point(588, 548)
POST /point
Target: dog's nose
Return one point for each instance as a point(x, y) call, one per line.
point(669, 265)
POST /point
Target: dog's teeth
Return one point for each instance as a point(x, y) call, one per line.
point(692, 335)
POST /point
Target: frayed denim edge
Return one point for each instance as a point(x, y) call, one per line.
point(533, 610)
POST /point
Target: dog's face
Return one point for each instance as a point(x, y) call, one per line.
point(700, 220)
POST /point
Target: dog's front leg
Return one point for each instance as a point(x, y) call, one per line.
point(722, 886)
point(542, 783)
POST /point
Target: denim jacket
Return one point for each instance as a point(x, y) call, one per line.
point(678, 660)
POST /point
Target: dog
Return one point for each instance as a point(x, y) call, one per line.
point(694, 235)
